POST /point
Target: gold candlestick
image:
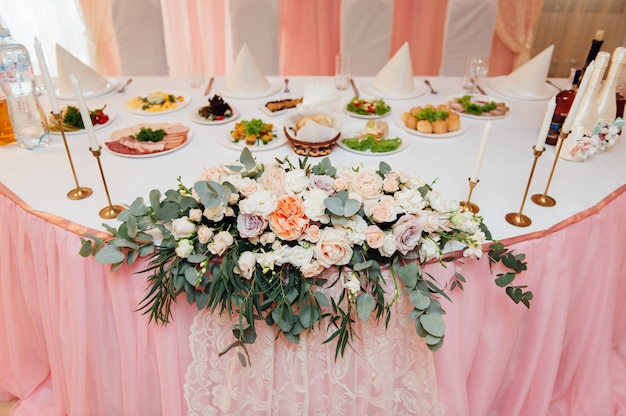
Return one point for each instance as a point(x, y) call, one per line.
point(468, 205)
point(79, 192)
point(517, 218)
point(111, 211)
point(544, 199)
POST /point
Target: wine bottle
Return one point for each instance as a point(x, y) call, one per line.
point(587, 116)
point(596, 44)
point(607, 105)
point(564, 100)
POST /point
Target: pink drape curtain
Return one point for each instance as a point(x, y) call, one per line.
point(99, 25)
point(309, 35)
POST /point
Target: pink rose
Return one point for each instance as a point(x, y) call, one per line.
point(407, 232)
point(312, 233)
point(220, 243)
point(374, 236)
point(312, 269)
point(382, 210)
point(195, 214)
point(332, 248)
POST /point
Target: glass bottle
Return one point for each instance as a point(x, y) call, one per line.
point(17, 79)
point(607, 103)
point(596, 44)
point(6, 131)
point(564, 100)
point(586, 117)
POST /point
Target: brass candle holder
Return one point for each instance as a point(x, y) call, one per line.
point(517, 218)
point(544, 199)
point(111, 211)
point(79, 192)
point(468, 205)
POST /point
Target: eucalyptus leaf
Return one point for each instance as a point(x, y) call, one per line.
point(321, 298)
point(365, 304)
point(334, 205)
point(414, 314)
point(351, 207)
point(505, 279)
point(433, 324)
point(191, 275)
point(110, 254)
point(419, 299)
point(86, 248)
point(384, 168)
point(292, 337)
point(432, 340)
point(247, 159)
point(138, 207)
point(408, 274)
point(309, 315)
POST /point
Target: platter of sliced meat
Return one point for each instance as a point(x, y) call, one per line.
point(148, 139)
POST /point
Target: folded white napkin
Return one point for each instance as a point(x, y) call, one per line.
point(245, 77)
point(396, 77)
point(319, 98)
point(91, 82)
point(529, 80)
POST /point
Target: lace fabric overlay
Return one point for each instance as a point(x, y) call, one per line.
point(387, 371)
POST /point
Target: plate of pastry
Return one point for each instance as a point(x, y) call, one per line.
point(433, 122)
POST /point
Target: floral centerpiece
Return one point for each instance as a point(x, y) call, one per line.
point(255, 241)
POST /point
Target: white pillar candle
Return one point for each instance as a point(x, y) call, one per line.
point(481, 152)
point(545, 125)
point(54, 104)
point(84, 112)
point(569, 120)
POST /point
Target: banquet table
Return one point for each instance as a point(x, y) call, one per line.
point(72, 342)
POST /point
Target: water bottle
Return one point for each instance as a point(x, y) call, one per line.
point(17, 78)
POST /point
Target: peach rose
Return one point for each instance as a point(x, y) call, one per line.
point(248, 186)
point(332, 249)
point(220, 243)
point(382, 210)
point(312, 233)
point(288, 221)
point(312, 269)
point(367, 184)
point(374, 236)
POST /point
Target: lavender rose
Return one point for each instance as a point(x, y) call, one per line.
point(250, 225)
point(407, 231)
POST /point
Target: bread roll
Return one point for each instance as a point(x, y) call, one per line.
point(439, 127)
point(409, 120)
point(424, 126)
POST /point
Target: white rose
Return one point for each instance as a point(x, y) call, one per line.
point(184, 248)
point(299, 256)
point(182, 227)
point(312, 269)
point(268, 238)
point(409, 201)
point(428, 250)
point(296, 181)
point(439, 204)
point(314, 207)
point(353, 285)
point(389, 245)
point(246, 264)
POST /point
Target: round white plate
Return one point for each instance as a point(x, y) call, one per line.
point(547, 93)
point(481, 99)
point(195, 117)
point(393, 133)
point(112, 114)
point(180, 105)
point(151, 154)
point(417, 92)
point(228, 142)
point(110, 86)
point(363, 116)
point(455, 133)
point(274, 87)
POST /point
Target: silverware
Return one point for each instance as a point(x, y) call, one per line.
point(354, 88)
point(554, 85)
point(287, 85)
point(432, 90)
point(124, 86)
point(480, 90)
point(209, 86)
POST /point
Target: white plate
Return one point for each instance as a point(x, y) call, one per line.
point(195, 117)
point(110, 86)
point(417, 92)
point(112, 114)
point(547, 93)
point(274, 87)
point(481, 99)
point(151, 154)
point(363, 116)
point(455, 133)
point(393, 133)
point(228, 142)
point(179, 105)
point(269, 113)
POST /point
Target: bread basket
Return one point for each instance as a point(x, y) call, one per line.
point(312, 149)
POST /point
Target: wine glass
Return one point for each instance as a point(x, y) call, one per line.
point(475, 68)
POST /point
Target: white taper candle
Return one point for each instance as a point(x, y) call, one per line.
point(54, 104)
point(481, 152)
point(545, 125)
point(84, 112)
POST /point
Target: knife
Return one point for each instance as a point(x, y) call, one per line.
point(208, 87)
point(480, 90)
point(354, 88)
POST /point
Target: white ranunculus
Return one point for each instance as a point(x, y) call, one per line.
point(354, 230)
point(389, 245)
point(299, 256)
point(409, 201)
point(314, 207)
point(440, 204)
point(183, 227)
point(296, 181)
point(184, 248)
point(260, 203)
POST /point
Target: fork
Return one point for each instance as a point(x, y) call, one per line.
point(124, 86)
point(287, 85)
point(432, 90)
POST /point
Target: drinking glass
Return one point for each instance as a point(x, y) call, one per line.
point(343, 66)
point(475, 67)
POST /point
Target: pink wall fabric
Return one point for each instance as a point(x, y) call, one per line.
point(72, 342)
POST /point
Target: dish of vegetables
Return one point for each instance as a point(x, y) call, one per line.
point(363, 108)
point(73, 121)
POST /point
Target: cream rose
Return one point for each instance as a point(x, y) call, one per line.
point(246, 264)
point(312, 269)
point(221, 242)
point(205, 234)
point(248, 186)
point(332, 248)
point(367, 184)
point(374, 236)
point(195, 214)
point(182, 227)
